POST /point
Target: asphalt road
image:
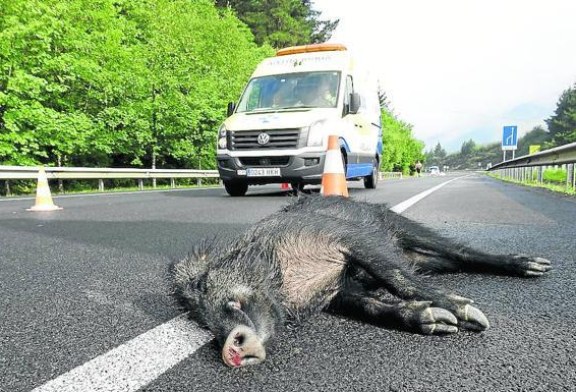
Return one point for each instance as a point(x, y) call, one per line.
point(77, 283)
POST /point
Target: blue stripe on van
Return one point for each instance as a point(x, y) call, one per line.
point(358, 170)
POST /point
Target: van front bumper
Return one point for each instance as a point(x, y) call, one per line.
point(304, 168)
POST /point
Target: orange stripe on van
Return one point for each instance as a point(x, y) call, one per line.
point(310, 48)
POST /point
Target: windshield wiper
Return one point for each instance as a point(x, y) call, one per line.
point(279, 109)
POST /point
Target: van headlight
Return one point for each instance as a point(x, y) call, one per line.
point(222, 143)
point(316, 134)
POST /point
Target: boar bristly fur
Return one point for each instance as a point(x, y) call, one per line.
point(336, 254)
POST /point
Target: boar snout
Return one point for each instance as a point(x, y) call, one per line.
point(243, 347)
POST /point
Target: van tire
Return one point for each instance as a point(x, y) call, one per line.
point(236, 188)
point(371, 181)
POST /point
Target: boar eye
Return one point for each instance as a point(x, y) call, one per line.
point(234, 305)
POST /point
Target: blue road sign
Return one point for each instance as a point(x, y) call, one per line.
point(510, 137)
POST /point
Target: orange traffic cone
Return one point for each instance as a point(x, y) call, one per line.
point(43, 196)
point(333, 178)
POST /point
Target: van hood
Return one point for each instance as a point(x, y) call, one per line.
point(278, 119)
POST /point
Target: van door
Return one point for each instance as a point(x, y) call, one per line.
point(358, 136)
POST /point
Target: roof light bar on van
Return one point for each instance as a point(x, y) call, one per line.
point(310, 48)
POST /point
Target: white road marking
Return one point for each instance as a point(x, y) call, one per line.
point(401, 207)
point(135, 363)
point(141, 360)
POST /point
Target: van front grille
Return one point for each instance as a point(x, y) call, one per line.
point(278, 139)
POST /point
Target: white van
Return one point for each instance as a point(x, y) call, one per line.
point(278, 131)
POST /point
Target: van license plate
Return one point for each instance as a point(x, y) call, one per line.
point(263, 172)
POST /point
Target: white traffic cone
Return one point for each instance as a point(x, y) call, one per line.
point(43, 197)
point(333, 178)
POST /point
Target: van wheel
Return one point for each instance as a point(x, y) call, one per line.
point(371, 181)
point(236, 188)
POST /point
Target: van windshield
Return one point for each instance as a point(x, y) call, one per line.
point(291, 91)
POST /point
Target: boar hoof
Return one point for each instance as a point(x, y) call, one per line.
point(430, 320)
point(529, 267)
point(472, 318)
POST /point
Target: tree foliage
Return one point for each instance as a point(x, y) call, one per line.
point(436, 156)
point(562, 125)
point(468, 148)
point(401, 149)
point(282, 23)
point(108, 82)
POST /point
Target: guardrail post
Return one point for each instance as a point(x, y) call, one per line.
point(198, 181)
point(8, 188)
point(100, 185)
point(540, 174)
point(140, 184)
point(172, 183)
point(524, 174)
point(570, 178)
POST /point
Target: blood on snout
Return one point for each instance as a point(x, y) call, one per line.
point(235, 358)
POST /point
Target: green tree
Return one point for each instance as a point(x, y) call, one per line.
point(282, 23)
point(468, 148)
point(401, 149)
point(195, 63)
point(536, 136)
point(562, 125)
point(436, 156)
point(439, 151)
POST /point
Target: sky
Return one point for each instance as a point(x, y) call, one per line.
point(462, 69)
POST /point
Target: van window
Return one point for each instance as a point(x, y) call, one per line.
point(348, 90)
point(289, 91)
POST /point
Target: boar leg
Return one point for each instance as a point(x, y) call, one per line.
point(436, 254)
point(383, 263)
point(417, 316)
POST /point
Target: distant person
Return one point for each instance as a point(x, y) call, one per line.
point(418, 168)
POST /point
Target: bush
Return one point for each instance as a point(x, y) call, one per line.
point(556, 176)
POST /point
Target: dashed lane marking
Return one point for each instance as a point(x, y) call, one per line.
point(401, 207)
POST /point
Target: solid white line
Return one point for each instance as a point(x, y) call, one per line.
point(135, 363)
point(401, 207)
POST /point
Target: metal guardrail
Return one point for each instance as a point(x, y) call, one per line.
point(31, 172)
point(82, 173)
point(85, 173)
point(387, 175)
point(525, 168)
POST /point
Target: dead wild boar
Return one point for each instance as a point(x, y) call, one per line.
point(336, 254)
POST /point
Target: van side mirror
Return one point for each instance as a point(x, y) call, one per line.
point(355, 102)
point(231, 108)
